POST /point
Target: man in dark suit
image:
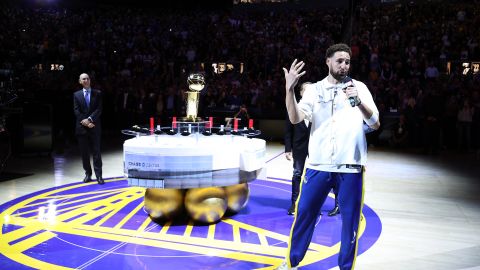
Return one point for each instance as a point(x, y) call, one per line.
point(296, 148)
point(87, 106)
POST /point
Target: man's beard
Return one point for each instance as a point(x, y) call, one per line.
point(338, 76)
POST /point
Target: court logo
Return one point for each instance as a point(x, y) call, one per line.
point(88, 226)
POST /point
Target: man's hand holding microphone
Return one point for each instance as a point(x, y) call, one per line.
point(351, 91)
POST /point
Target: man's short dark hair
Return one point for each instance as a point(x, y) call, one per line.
point(339, 47)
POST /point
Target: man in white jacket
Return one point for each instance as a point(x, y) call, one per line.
point(336, 106)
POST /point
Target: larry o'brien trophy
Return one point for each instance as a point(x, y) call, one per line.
point(196, 83)
point(193, 167)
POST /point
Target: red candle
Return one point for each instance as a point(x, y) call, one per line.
point(174, 122)
point(235, 124)
point(152, 123)
point(210, 122)
point(250, 123)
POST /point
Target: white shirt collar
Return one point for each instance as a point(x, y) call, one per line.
point(327, 85)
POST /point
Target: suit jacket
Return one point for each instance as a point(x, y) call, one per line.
point(296, 139)
point(94, 111)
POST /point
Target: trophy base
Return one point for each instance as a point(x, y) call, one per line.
point(191, 119)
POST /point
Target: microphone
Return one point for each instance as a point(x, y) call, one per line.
point(352, 100)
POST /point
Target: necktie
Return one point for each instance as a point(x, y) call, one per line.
point(87, 98)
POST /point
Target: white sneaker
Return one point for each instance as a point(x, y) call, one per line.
point(284, 266)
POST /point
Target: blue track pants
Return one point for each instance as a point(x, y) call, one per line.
point(314, 190)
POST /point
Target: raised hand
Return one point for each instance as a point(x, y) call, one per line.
point(292, 75)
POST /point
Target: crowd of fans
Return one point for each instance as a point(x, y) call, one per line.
point(403, 53)
point(140, 59)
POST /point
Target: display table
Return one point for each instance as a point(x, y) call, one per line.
point(208, 175)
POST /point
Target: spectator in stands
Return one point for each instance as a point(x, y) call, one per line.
point(243, 116)
point(400, 133)
point(431, 72)
point(433, 109)
point(464, 125)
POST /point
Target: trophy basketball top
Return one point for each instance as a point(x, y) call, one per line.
point(196, 82)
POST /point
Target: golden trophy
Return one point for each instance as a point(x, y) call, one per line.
point(196, 83)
